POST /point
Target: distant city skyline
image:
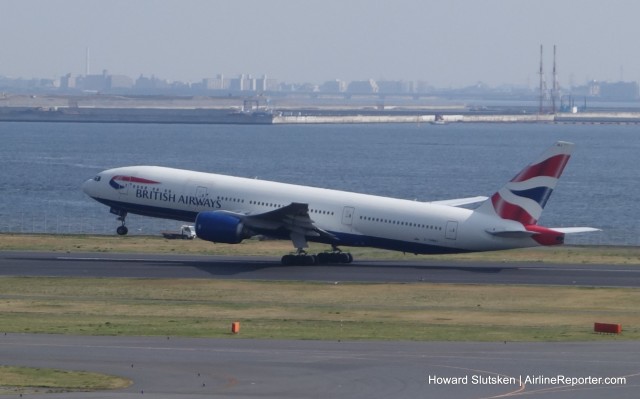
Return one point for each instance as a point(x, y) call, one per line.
point(456, 43)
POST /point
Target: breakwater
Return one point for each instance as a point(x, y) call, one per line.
point(442, 119)
point(133, 115)
point(233, 116)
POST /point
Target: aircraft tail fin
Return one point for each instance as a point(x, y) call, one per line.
point(524, 197)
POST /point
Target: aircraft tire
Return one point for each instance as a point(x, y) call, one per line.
point(323, 258)
point(287, 260)
point(122, 230)
point(299, 260)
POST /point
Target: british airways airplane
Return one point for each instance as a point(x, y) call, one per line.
point(229, 209)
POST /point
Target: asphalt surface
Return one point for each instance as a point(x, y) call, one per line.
point(237, 368)
point(169, 367)
point(262, 268)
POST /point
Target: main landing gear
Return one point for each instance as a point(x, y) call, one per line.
point(301, 258)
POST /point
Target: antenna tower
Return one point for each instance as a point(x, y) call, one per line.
point(543, 84)
point(556, 89)
point(86, 69)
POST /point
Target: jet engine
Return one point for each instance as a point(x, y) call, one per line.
point(217, 226)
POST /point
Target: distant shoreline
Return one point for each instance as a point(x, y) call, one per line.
point(161, 115)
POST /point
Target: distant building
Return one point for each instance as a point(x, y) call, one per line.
point(217, 83)
point(392, 86)
point(261, 84)
point(94, 82)
point(152, 83)
point(264, 84)
point(334, 86)
point(423, 87)
point(242, 83)
point(67, 82)
point(272, 84)
point(620, 91)
point(363, 86)
point(593, 88)
point(119, 82)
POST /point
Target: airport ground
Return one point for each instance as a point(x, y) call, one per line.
point(144, 285)
point(147, 286)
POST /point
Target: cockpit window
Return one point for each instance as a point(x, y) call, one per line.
point(97, 178)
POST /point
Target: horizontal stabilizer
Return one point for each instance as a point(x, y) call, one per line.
point(460, 201)
point(574, 230)
point(527, 233)
point(510, 233)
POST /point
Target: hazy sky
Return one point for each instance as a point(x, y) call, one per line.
point(448, 43)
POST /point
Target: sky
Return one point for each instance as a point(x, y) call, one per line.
point(446, 43)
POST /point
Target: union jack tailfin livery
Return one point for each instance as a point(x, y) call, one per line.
point(524, 197)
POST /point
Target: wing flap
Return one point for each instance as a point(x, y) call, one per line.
point(293, 218)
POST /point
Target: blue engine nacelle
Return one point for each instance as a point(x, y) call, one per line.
point(219, 226)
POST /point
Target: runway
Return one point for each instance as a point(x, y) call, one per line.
point(236, 368)
point(170, 368)
point(262, 268)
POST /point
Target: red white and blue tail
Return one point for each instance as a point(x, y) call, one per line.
point(524, 197)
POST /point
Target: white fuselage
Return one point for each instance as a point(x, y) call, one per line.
point(355, 219)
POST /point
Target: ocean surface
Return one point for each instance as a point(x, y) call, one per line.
point(44, 164)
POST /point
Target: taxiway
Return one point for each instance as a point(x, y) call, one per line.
point(238, 368)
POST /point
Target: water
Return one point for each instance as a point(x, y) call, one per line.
point(43, 166)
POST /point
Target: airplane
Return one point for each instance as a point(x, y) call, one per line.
point(228, 209)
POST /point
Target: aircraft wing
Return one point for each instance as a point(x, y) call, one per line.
point(293, 218)
point(460, 201)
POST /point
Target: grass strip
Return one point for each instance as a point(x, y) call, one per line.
point(21, 380)
point(317, 311)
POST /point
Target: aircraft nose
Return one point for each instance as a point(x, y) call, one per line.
point(88, 187)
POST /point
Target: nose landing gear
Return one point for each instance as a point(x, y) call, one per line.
point(122, 230)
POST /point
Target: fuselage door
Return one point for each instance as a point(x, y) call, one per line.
point(202, 192)
point(347, 215)
point(124, 182)
point(198, 196)
point(451, 232)
point(201, 195)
